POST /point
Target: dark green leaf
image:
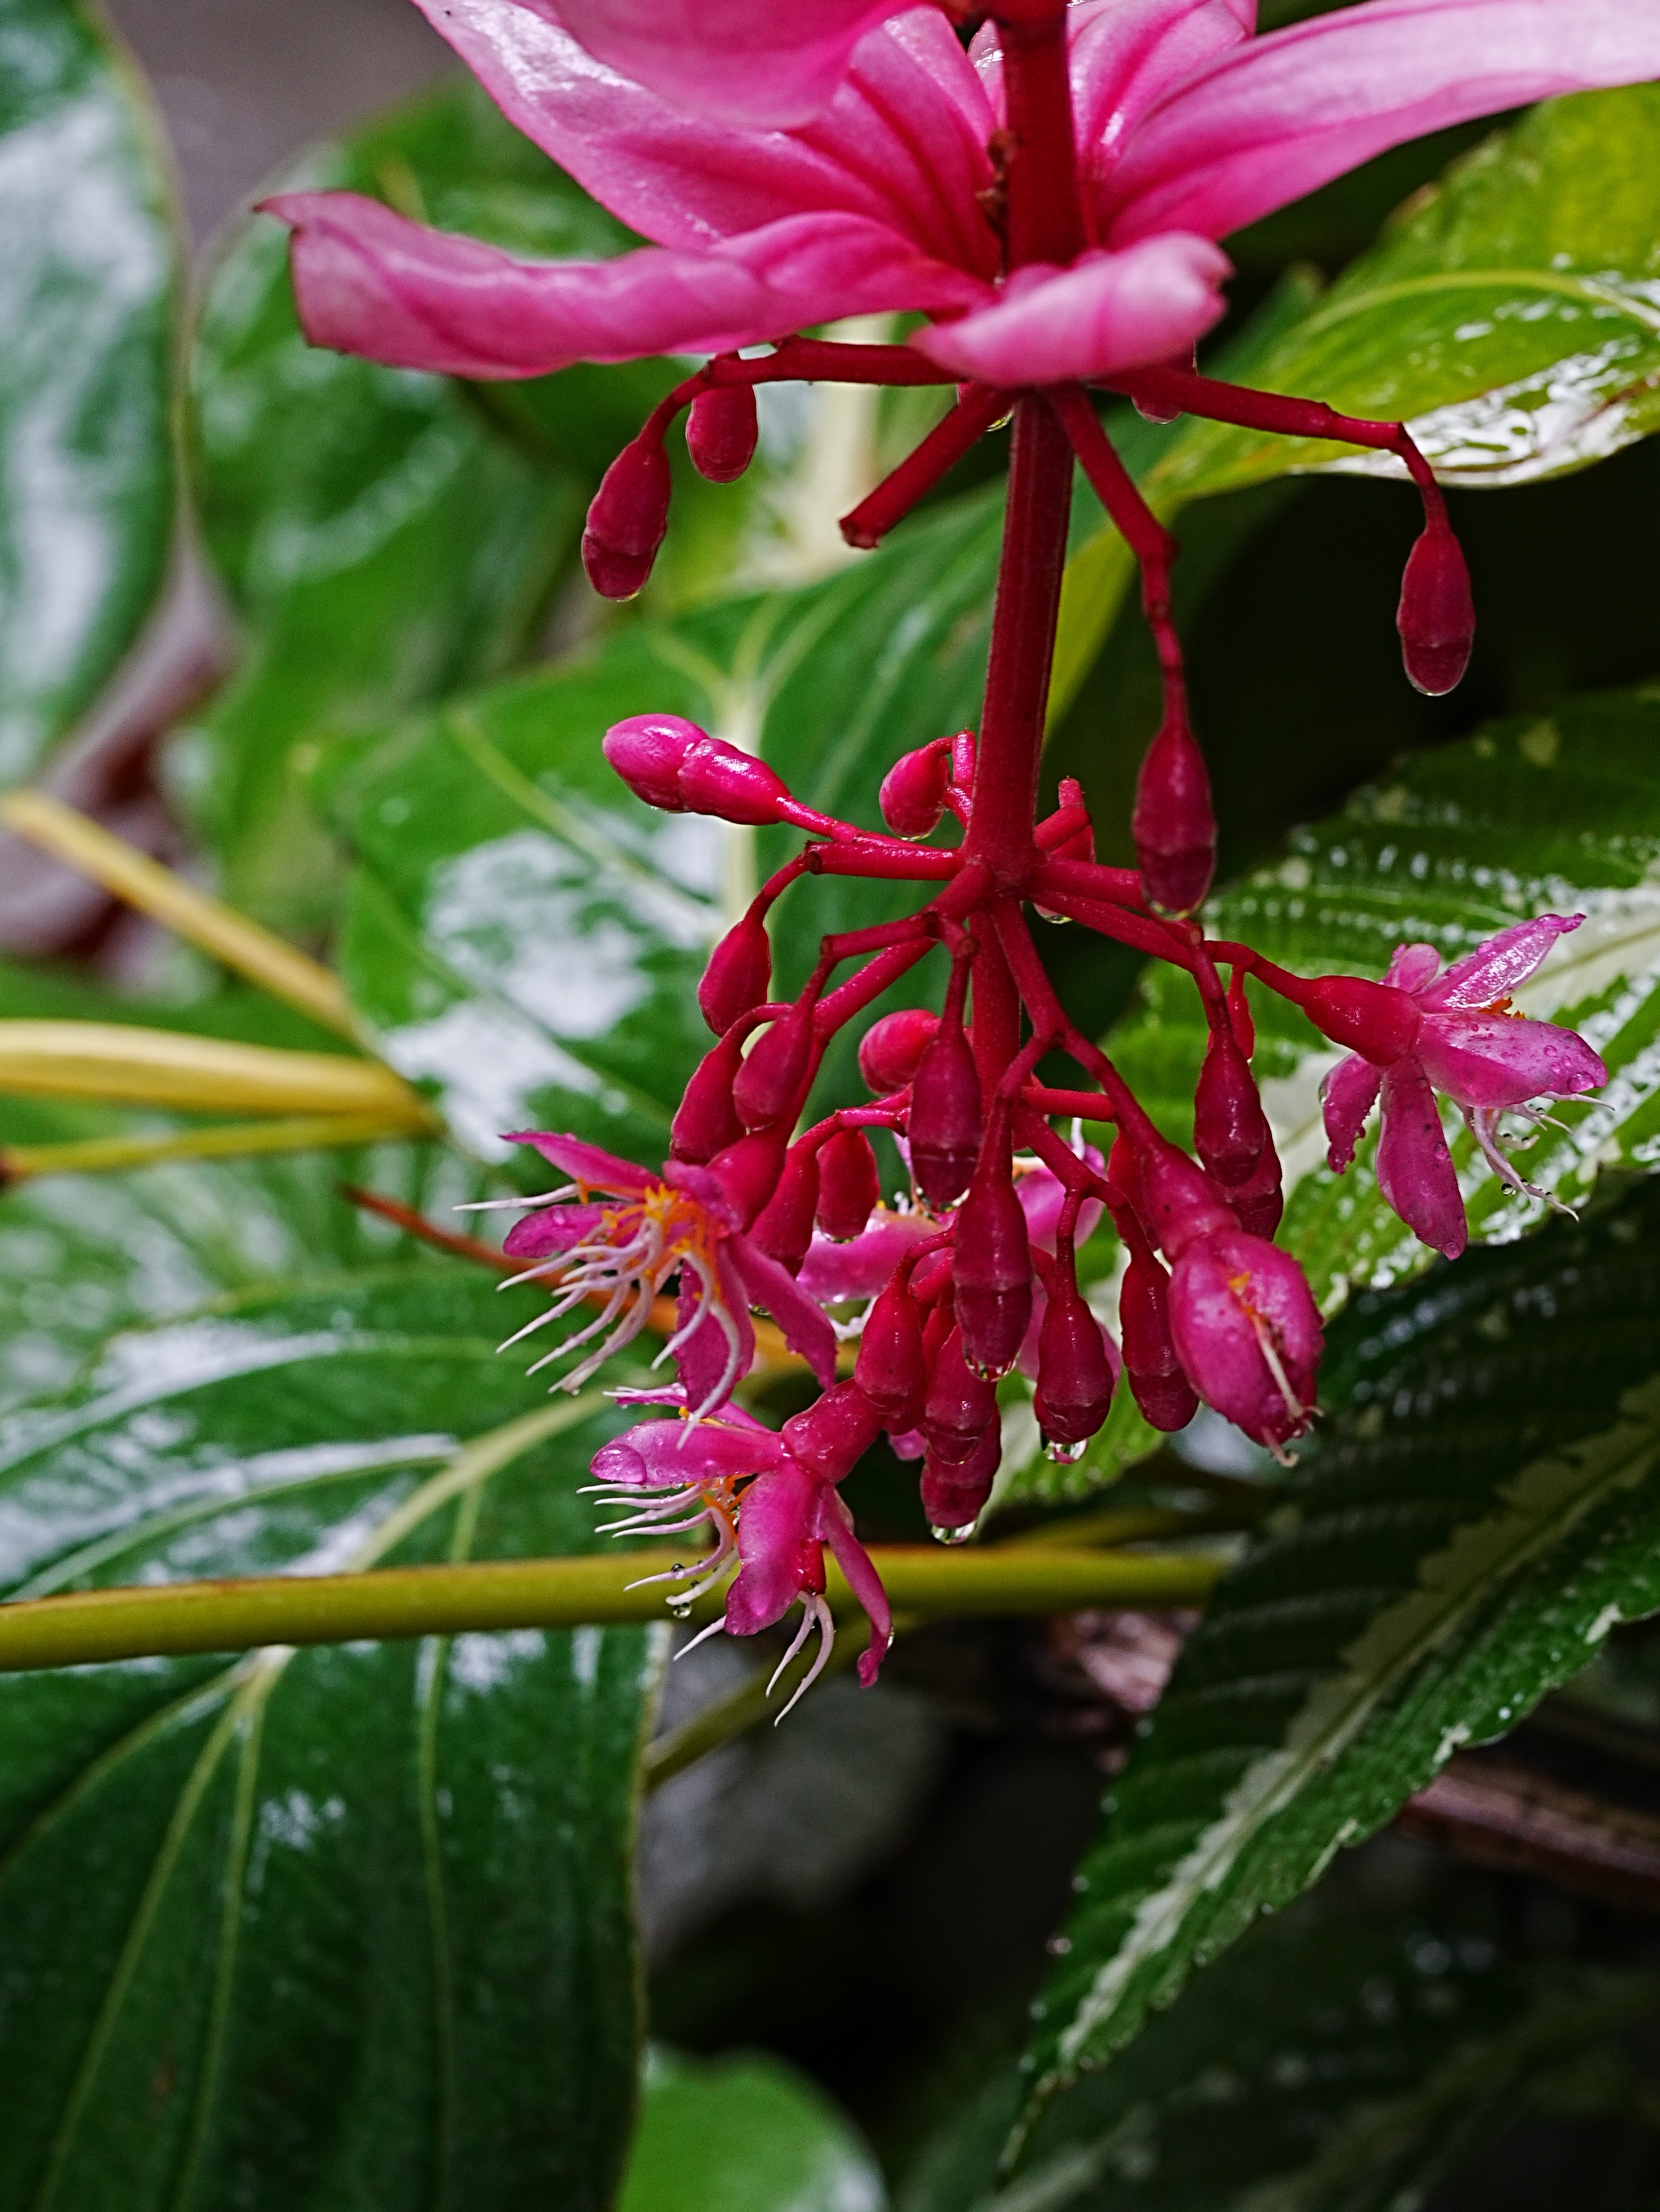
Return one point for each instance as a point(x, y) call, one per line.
point(88, 279)
point(331, 1927)
point(1334, 2063)
point(747, 2134)
point(1484, 1510)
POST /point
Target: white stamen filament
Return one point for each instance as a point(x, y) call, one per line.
point(818, 1615)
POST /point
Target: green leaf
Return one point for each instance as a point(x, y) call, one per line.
point(89, 278)
point(336, 1926)
point(748, 2134)
point(527, 937)
point(386, 540)
point(1334, 2063)
point(1485, 1509)
point(1507, 315)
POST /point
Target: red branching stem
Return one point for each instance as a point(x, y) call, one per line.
point(996, 1012)
point(850, 998)
point(1065, 821)
point(1184, 391)
point(1048, 1014)
point(1045, 221)
point(866, 525)
point(1140, 931)
point(896, 863)
point(1092, 880)
point(816, 361)
point(1078, 1178)
point(1074, 1105)
point(879, 937)
point(1241, 958)
point(1136, 523)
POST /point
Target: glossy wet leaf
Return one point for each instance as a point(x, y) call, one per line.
point(88, 288)
point(384, 540)
point(747, 2133)
point(344, 1925)
point(1507, 315)
point(1485, 1508)
point(1335, 2062)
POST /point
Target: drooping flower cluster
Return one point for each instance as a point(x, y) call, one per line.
point(1048, 198)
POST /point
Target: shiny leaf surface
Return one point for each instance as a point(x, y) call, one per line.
point(337, 1925)
point(1483, 1510)
point(88, 288)
point(747, 2133)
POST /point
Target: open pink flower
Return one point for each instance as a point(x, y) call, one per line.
point(769, 1497)
point(624, 1247)
point(1468, 1044)
point(1187, 127)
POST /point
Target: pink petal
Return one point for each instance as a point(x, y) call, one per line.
point(553, 1229)
point(1348, 1096)
point(1502, 1060)
point(369, 281)
point(1495, 969)
point(1414, 1168)
point(586, 1163)
point(775, 1521)
point(704, 1358)
point(662, 1454)
point(1275, 119)
point(1412, 966)
point(858, 1269)
point(806, 1328)
point(738, 61)
point(1108, 312)
point(902, 143)
point(834, 1526)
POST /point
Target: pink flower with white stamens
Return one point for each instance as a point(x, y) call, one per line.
point(1453, 1032)
point(886, 195)
point(624, 1249)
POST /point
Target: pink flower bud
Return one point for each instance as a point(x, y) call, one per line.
point(1158, 1383)
point(706, 1121)
point(748, 1173)
point(769, 1084)
point(674, 766)
point(832, 1436)
point(891, 1048)
point(945, 1122)
point(1077, 1367)
point(954, 1496)
point(850, 1189)
point(1239, 1014)
point(890, 1370)
point(1177, 1202)
point(930, 1283)
point(1436, 615)
point(628, 519)
point(738, 975)
point(960, 1406)
point(1080, 846)
point(913, 793)
point(1229, 1129)
point(1374, 1019)
point(722, 429)
point(1247, 1331)
point(991, 1268)
point(784, 1228)
point(1259, 1200)
point(1173, 825)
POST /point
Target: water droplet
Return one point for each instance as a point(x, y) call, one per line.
point(988, 1374)
point(1063, 1455)
point(1058, 1946)
point(953, 1535)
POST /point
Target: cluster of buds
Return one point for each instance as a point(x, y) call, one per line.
point(970, 1272)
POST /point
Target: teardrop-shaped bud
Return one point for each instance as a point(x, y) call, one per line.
point(628, 519)
point(1240, 1019)
point(1080, 846)
point(850, 1187)
point(944, 1120)
point(913, 793)
point(723, 427)
point(890, 1370)
point(1374, 1019)
point(719, 779)
point(783, 1229)
point(1229, 1129)
point(1248, 1332)
point(738, 975)
point(1174, 825)
point(833, 1434)
point(1436, 615)
point(1156, 1380)
point(1260, 1201)
point(890, 1050)
point(769, 1084)
point(706, 1121)
point(954, 1495)
point(991, 1270)
point(1077, 1368)
point(959, 1406)
point(748, 1173)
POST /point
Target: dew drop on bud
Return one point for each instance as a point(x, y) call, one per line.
point(1062, 1453)
point(628, 519)
point(1436, 615)
point(721, 430)
point(953, 1535)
